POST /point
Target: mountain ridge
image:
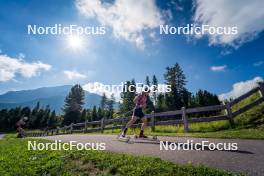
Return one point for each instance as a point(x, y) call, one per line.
point(52, 96)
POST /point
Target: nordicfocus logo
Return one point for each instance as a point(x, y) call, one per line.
point(59, 29)
point(123, 87)
point(58, 145)
point(193, 29)
point(204, 145)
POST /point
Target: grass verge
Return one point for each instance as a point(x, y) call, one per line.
point(248, 125)
point(237, 133)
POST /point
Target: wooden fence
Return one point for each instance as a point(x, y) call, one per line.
point(185, 117)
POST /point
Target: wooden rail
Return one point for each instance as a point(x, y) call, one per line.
point(108, 124)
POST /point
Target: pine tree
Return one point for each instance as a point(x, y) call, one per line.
point(110, 106)
point(4, 123)
point(100, 114)
point(52, 120)
point(154, 94)
point(45, 117)
point(186, 98)
point(33, 116)
point(128, 96)
point(73, 105)
point(89, 115)
point(94, 114)
point(205, 98)
point(175, 77)
point(103, 102)
point(39, 117)
point(161, 105)
point(147, 81)
point(83, 115)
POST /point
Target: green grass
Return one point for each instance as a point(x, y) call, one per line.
point(194, 127)
point(242, 133)
point(174, 129)
point(16, 160)
point(250, 133)
point(248, 125)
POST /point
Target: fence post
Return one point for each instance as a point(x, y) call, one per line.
point(102, 125)
point(261, 88)
point(230, 115)
point(152, 121)
point(71, 128)
point(185, 120)
point(85, 126)
point(123, 123)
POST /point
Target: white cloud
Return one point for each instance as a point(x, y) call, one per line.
point(226, 52)
point(73, 75)
point(218, 68)
point(21, 56)
point(128, 20)
point(241, 88)
point(9, 67)
point(246, 15)
point(177, 6)
point(258, 64)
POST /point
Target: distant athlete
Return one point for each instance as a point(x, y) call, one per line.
point(141, 102)
point(19, 126)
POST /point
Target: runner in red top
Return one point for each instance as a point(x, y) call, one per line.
point(19, 126)
point(141, 102)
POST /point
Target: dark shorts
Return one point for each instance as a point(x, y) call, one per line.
point(138, 113)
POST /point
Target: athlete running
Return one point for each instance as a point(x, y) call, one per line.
point(19, 125)
point(141, 102)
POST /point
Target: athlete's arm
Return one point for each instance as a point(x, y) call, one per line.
point(135, 100)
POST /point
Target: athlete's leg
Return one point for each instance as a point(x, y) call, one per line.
point(19, 135)
point(129, 123)
point(144, 124)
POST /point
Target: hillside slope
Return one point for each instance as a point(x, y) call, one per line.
point(52, 96)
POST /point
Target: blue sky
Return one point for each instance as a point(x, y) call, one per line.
point(132, 46)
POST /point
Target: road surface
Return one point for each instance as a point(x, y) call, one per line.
point(248, 159)
point(1, 136)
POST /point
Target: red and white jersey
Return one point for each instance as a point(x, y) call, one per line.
point(20, 123)
point(141, 100)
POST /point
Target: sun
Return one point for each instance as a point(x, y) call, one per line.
point(75, 42)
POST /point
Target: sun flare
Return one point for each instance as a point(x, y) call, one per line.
point(75, 42)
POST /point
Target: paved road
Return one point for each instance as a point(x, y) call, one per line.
point(249, 159)
point(1, 136)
